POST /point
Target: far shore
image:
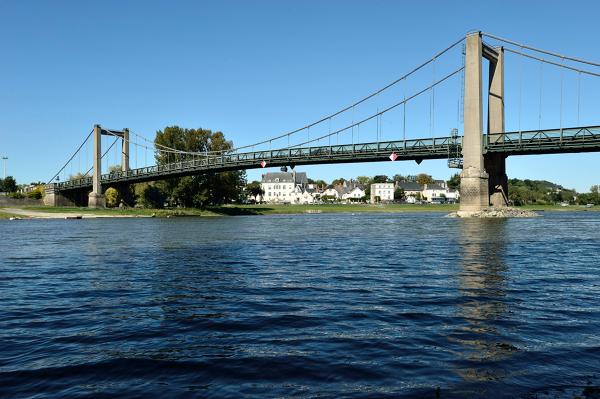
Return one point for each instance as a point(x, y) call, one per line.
point(46, 212)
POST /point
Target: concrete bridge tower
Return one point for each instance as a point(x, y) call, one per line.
point(96, 198)
point(483, 179)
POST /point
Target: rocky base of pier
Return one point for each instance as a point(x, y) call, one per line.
point(495, 213)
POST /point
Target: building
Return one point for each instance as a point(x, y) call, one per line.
point(354, 194)
point(411, 189)
point(382, 192)
point(282, 187)
point(438, 192)
point(331, 193)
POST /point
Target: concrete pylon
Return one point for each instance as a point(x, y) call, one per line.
point(96, 198)
point(125, 151)
point(474, 191)
point(495, 164)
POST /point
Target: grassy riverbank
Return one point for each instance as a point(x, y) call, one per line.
point(229, 210)
point(259, 209)
point(4, 215)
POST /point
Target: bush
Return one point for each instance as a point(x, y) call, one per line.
point(16, 195)
point(112, 197)
point(36, 194)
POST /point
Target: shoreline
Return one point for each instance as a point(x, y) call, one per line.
point(42, 212)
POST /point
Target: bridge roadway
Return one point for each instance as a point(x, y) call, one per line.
point(552, 141)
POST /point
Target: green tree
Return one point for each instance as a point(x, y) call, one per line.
point(77, 176)
point(254, 189)
point(380, 179)
point(364, 180)
point(149, 195)
point(112, 197)
point(338, 181)
point(454, 182)
point(204, 189)
point(399, 178)
point(321, 183)
point(37, 193)
point(423, 178)
point(399, 194)
point(8, 185)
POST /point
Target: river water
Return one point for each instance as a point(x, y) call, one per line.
point(341, 305)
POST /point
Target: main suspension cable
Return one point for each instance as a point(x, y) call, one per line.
point(540, 50)
point(349, 107)
point(552, 62)
point(72, 156)
point(376, 115)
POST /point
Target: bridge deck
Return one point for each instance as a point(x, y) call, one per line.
point(552, 141)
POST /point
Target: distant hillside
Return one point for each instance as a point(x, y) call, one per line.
point(538, 191)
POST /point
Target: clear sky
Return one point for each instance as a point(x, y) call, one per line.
point(255, 69)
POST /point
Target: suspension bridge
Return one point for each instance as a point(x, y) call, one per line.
point(481, 154)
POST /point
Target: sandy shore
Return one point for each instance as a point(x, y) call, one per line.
point(29, 214)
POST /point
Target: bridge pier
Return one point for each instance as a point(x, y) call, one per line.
point(474, 192)
point(96, 198)
point(495, 165)
point(483, 179)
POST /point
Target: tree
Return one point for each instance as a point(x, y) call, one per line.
point(364, 180)
point(380, 179)
point(112, 197)
point(423, 178)
point(338, 181)
point(114, 168)
point(321, 183)
point(77, 176)
point(399, 194)
point(254, 189)
point(8, 185)
point(399, 178)
point(37, 193)
point(149, 195)
point(454, 182)
point(205, 189)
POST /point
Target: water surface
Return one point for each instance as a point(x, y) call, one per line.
point(367, 305)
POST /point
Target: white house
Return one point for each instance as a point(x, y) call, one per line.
point(331, 193)
point(302, 196)
point(385, 192)
point(355, 193)
point(439, 194)
point(281, 186)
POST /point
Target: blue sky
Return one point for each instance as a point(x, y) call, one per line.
point(255, 69)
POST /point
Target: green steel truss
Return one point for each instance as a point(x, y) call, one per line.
point(553, 141)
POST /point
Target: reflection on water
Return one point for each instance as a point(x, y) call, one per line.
point(481, 282)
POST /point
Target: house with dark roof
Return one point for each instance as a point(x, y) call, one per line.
point(283, 187)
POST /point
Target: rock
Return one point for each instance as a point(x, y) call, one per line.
point(495, 213)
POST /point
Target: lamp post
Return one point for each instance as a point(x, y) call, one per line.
point(4, 159)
